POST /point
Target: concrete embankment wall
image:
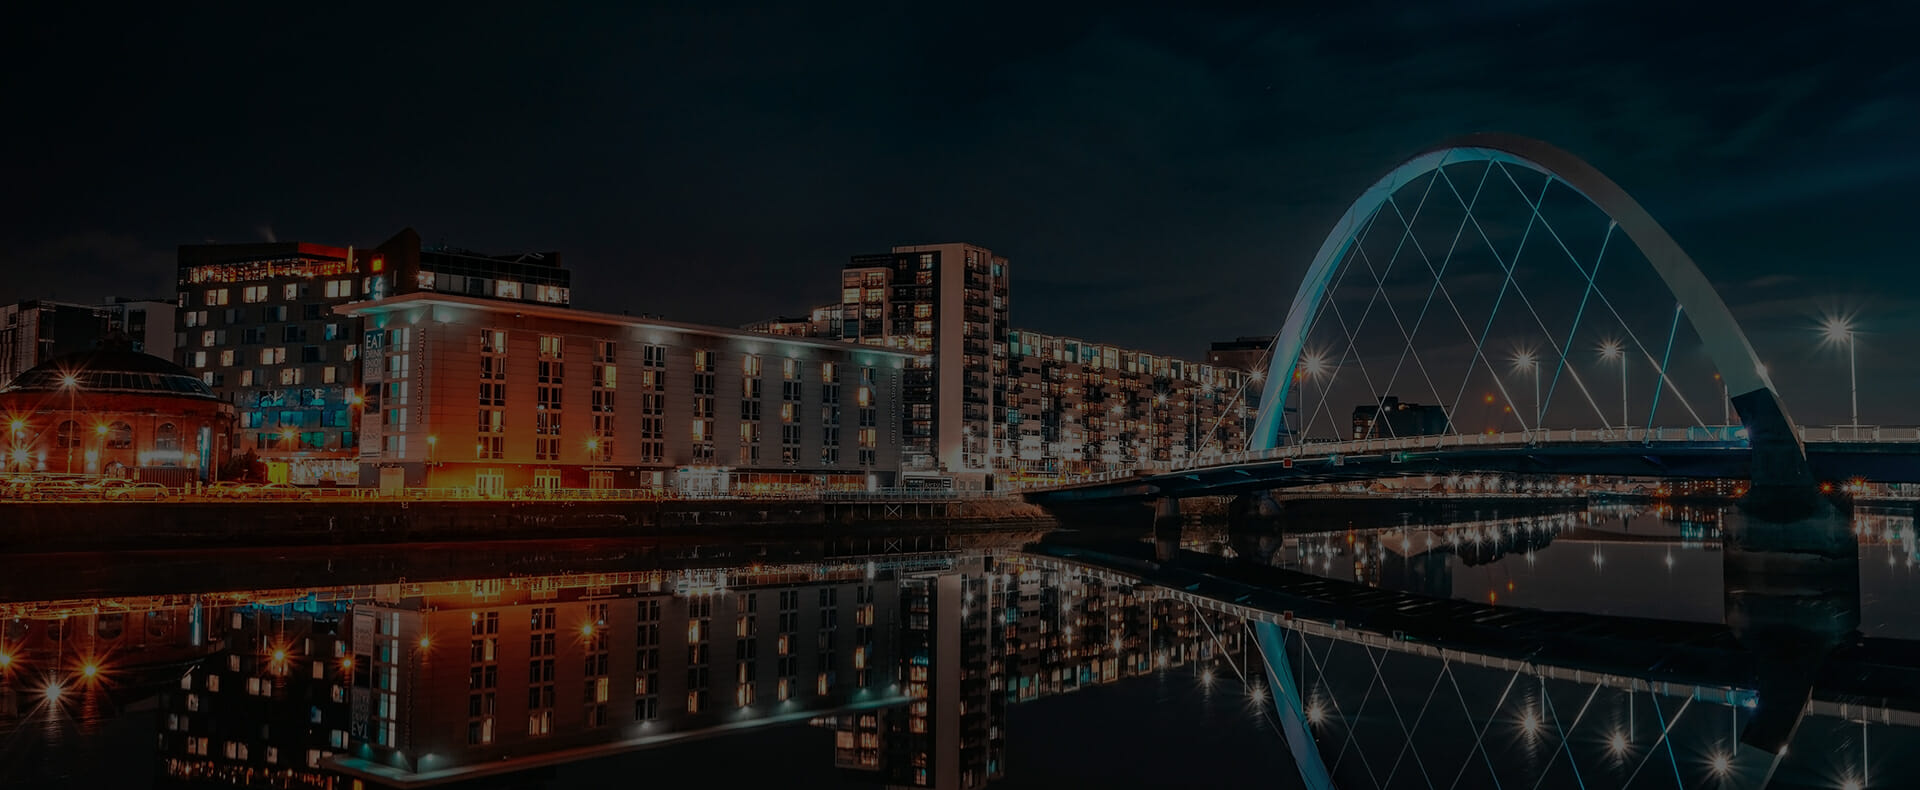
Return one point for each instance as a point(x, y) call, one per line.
point(27, 527)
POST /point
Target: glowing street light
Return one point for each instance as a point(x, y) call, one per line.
point(1612, 350)
point(1526, 361)
point(1839, 329)
point(1722, 764)
point(1618, 744)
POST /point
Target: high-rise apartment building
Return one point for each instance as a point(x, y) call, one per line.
point(36, 330)
point(1076, 407)
point(949, 305)
point(258, 323)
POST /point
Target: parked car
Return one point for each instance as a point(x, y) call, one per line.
point(278, 491)
point(59, 489)
point(228, 489)
point(140, 491)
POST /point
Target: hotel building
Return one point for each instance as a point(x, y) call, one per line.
point(257, 323)
point(465, 392)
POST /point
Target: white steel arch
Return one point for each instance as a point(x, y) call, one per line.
point(1726, 345)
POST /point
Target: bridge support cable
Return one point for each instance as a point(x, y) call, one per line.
point(1512, 262)
point(1379, 293)
point(1379, 676)
point(1480, 342)
point(1586, 295)
point(1566, 745)
point(1575, 260)
point(1421, 318)
point(1380, 290)
point(1666, 729)
point(1665, 358)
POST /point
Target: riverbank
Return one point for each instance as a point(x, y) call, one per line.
point(40, 527)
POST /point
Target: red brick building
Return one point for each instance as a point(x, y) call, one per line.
point(112, 412)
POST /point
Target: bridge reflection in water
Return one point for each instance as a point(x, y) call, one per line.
point(911, 659)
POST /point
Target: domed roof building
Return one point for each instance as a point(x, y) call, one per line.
point(113, 411)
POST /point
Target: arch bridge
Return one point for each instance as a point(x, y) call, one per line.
point(1401, 295)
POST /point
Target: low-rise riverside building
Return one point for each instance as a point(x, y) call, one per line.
point(115, 412)
point(462, 392)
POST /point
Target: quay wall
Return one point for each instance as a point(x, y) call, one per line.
point(30, 527)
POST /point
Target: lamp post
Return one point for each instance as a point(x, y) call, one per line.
point(71, 384)
point(1525, 361)
point(1311, 367)
point(1612, 349)
point(1839, 329)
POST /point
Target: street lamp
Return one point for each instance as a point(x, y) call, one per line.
point(1312, 366)
point(1526, 361)
point(71, 384)
point(1839, 329)
point(1612, 349)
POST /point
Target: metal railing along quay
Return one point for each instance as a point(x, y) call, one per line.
point(35, 489)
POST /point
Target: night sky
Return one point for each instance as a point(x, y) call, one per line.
point(1158, 179)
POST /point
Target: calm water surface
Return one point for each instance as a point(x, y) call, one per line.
point(946, 661)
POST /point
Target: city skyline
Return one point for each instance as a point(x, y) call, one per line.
point(1201, 162)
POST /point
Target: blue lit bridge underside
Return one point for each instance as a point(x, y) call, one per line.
point(1689, 454)
point(1388, 689)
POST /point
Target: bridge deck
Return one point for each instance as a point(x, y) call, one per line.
point(1883, 455)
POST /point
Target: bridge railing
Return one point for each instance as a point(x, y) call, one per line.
point(1732, 436)
point(1859, 433)
point(1335, 451)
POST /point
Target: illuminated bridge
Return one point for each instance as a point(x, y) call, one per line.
point(1511, 285)
point(1374, 688)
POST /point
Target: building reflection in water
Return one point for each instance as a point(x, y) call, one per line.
point(910, 662)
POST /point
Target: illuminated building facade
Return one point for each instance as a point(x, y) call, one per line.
point(501, 673)
point(1076, 407)
point(269, 702)
point(115, 412)
point(464, 392)
point(948, 304)
point(822, 321)
point(258, 323)
point(984, 402)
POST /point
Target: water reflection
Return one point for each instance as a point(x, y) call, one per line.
point(1607, 647)
point(908, 660)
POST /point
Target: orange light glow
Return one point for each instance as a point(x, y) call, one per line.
point(346, 664)
point(90, 670)
point(379, 264)
point(6, 659)
point(100, 429)
point(1826, 488)
point(426, 642)
point(1488, 398)
point(586, 629)
point(280, 654)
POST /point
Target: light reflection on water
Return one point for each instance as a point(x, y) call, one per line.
point(800, 641)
